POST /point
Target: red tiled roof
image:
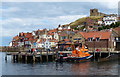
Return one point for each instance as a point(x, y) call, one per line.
point(28, 35)
point(62, 34)
point(54, 41)
point(100, 34)
point(66, 40)
point(53, 30)
point(41, 40)
point(50, 34)
point(117, 28)
point(16, 37)
point(21, 34)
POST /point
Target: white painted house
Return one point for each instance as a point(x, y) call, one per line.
point(47, 44)
point(40, 43)
point(56, 36)
point(44, 43)
point(108, 20)
point(10, 44)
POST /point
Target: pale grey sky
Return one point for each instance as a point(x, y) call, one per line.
point(28, 16)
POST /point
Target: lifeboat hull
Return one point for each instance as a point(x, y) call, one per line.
point(79, 58)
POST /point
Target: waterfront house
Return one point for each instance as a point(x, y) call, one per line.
point(98, 40)
point(15, 41)
point(40, 43)
point(50, 43)
point(26, 38)
point(47, 43)
point(23, 40)
point(54, 43)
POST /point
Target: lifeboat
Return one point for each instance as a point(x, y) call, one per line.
point(79, 54)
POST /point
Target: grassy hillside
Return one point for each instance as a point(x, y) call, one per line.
point(82, 20)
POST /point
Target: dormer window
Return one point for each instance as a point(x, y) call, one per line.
point(97, 39)
point(90, 39)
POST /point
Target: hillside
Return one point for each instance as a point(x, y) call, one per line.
point(82, 20)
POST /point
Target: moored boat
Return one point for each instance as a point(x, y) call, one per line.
point(78, 54)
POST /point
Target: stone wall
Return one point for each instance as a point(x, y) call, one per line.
point(94, 12)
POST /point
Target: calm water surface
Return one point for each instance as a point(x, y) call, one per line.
point(109, 67)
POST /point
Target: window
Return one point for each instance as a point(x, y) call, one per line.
point(77, 39)
point(90, 39)
point(91, 27)
point(64, 37)
point(26, 38)
point(26, 42)
point(97, 39)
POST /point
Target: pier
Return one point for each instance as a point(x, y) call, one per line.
point(32, 57)
point(45, 56)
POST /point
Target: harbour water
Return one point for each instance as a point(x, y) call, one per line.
point(108, 67)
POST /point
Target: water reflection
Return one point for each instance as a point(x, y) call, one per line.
point(81, 68)
point(59, 66)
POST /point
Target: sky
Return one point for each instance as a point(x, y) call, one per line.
point(26, 16)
